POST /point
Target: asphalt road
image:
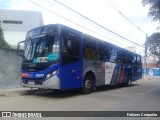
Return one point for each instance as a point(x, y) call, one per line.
point(144, 95)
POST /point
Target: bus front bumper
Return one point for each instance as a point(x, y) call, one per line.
point(51, 83)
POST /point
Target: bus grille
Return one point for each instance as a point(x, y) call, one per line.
point(36, 81)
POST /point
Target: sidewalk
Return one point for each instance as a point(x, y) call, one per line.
point(5, 92)
point(150, 77)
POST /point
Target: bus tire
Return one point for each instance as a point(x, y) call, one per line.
point(87, 84)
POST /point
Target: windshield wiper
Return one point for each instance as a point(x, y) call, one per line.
point(41, 45)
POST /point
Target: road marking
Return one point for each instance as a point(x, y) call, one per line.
point(150, 91)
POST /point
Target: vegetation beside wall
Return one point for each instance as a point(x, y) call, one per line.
point(3, 43)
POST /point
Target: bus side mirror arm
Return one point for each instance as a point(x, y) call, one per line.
point(20, 52)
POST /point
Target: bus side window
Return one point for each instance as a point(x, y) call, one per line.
point(67, 45)
point(138, 61)
point(71, 49)
point(113, 55)
point(121, 57)
point(90, 49)
point(128, 58)
point(134, 60)
point(103, 51)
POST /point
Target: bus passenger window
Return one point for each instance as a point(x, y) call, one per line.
point(138, 61)
point(103, 51)
point(90, 49)
point(121, 57)
point(134, 60)
point(129, 58)
point(67, 46)
point(113, 55)
point(71, 49)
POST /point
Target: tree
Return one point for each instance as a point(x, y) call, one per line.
point(3, 43)
point(153, 44)
point(154, 10)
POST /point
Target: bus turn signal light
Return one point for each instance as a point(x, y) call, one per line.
point(24, 75)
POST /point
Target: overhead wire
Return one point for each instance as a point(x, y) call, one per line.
point(98, 24)
point(83, 20)
point(75, 22)
point(117, 26)
point(78, 24)
point(113, 5)
point(125, 17)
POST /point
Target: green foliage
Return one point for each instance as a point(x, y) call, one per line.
point(154, 10)
point(3, 43)
point(153, 44)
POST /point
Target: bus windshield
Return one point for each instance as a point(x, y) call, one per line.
point(42, 49)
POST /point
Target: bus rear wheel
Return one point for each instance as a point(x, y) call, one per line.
point(87, 85)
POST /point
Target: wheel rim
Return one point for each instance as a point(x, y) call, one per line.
point(88, 84)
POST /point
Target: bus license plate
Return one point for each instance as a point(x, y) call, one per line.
point(31, 83)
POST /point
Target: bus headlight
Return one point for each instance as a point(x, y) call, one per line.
point(49, 75)
point(54, 72)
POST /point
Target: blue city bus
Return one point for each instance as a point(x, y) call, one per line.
point(61, 58)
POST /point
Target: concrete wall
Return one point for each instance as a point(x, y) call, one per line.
point(29, 19)
point(16, 23)
point(10, 64)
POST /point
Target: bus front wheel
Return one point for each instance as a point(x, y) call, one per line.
point(87, 84)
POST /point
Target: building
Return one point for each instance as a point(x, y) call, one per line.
point(132, 49)
point(151, 61)
point(16, 23)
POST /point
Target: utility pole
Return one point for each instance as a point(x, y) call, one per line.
point(145, 54)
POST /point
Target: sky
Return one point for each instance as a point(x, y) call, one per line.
point(104, 12)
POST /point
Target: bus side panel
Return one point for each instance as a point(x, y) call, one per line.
point(111, 72)
point(115, 73)
point(136, 73)
point(97, 68)
point(107, 73)
point(71, 76)
point(123, 73)
point(136, 68)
